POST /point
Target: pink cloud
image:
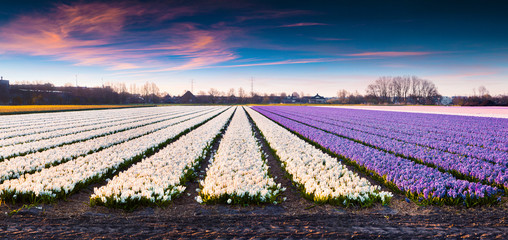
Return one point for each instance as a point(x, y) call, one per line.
point(304, 24)
point(97, 34)
point(389, 54)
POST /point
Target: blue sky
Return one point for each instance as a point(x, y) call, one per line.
point(286, 46)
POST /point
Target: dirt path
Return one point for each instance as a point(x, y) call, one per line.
point(146, 224)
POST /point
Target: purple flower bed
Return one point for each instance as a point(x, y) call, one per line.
point(464, 167)
point(440, 133)
point(418, 182)
point(417, 135)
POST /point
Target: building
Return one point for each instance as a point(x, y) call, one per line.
point(4, 91)
point(188, 97)
point(317, 99)
point(446, 100)
point(290, 99)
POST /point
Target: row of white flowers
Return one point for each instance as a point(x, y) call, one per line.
point(320, 177)
point(238, 174)
point(11, 122)
point(159, 179)
point(77, 127)
point(13, 125)
point(29, 147)
point(63, 179)
point(17, 166)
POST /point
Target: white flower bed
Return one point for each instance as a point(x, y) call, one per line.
point(20, 149)
point(30, 121)
point(320, 177)
point(159, 179)
point(63, 179)
point(77, 127)
point(16, 130)
point(238, 174)
point(17, 166)
point(25, 124)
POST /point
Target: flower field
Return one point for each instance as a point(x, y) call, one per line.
point(149, 156)
point(53, 108)
point(423, 156)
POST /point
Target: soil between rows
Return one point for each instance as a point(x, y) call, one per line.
point(294, 218)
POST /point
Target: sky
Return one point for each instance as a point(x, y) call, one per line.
point(283, 46)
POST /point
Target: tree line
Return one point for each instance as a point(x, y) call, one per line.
point(384, 90)
point(481, 97)
point(116, 93)
point(403, 90)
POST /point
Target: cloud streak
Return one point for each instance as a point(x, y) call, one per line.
point(303, 24)
point(97, 34)
point(388, 54)
point(293, 61)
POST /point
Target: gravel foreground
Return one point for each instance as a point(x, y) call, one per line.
point(273, 222)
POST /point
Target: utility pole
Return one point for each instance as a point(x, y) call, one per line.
point(192, 86)
point(251, 86)
point(76, 80)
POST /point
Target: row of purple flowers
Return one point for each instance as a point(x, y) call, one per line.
point(483, 132)
point(417, 181)
point(391, 130)
point(466, 167)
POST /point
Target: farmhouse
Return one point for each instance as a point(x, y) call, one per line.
point(188, 97)
point(317, 99)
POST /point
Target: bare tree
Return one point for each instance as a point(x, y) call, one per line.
point(402, 89)
point(241, 93)
point(405, 85)
point(396, 89)
point(415, 91)
point(133, 89)
point(231, 92)
point(213, 93)
point(482, 91)
point(342, 95)
point(380, 89)
point(145, 91)
point(154, 90)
